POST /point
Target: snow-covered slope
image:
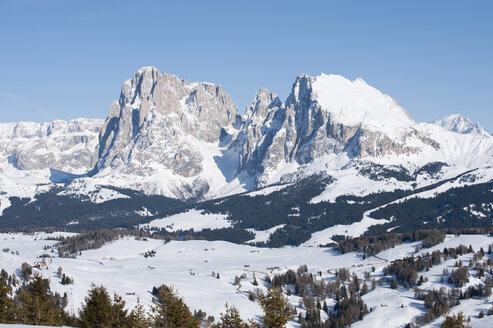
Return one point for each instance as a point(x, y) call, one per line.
point(33, 156)
point(191, 220)
point(355, 102)
point(460, 124)
point(192, 268)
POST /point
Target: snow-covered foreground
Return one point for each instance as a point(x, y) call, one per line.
point(188, 266)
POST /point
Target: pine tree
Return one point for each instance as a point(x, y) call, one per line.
point(231, 319)
point(255, 283)
point(170, 311)
point(6, 303)
point(138, 317)
point(274, 306)
point(455, 321)
point(364, 289)
point(36, 305)
point(100, 311)
point(325, 307)
point(120, 316)
point(26, 270)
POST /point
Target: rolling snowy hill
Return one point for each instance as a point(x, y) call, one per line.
point(192, 268)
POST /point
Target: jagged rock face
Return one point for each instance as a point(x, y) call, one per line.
point(67, 146)
point(259, 127)
point(317, 119)
point(186, 140)
point(159, 119)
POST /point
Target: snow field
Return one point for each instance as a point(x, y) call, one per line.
point(192, 219)
point(188, 266)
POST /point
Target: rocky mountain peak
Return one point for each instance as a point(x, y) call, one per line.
point(301, 91)
point(161, 123)
point(183, 139)
point(141, 85)
point(460, 124)
point(323, 115)
point(263, 103)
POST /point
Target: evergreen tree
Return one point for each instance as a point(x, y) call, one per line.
point(274, 306)
point(364, 289)
point(455, 321)
point(26, 270)
point(231, 319)
point(6, 303)
point(120, 316)
point(170, 311)
point(255, 283)
point(99, 311)
point(138, 317)
point(37, 306)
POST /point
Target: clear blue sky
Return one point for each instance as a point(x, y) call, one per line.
point(68, 59)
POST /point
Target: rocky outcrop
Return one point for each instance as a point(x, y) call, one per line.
point(66, 146)
point(316, 121)
point(158, 120)
point(186, 140)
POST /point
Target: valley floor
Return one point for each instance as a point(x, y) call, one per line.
point(192, 268)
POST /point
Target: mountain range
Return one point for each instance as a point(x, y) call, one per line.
point(187, 141)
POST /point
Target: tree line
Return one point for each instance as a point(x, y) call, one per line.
point(32, 302)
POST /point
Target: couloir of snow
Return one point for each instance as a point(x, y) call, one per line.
point(192, 219)
point(188, 266)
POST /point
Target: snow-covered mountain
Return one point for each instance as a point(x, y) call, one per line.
point(164, 134)
point(68, 146)
point(327, 115)
point(460, 124)
point(34, 157)
point(186, 140)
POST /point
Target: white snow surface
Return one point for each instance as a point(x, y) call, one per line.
point(356, 229)
point(96, 193)
point(188, 266)
point(355, 102)
point(263, 235)
point(192, 219)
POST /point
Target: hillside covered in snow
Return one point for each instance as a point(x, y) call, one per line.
point(399, 279)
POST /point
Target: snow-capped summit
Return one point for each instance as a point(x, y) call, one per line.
point(324, 115)
point(185, 140)
point(355, 102)
point(460, 124)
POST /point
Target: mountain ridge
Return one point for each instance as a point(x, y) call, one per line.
point(186, 140)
